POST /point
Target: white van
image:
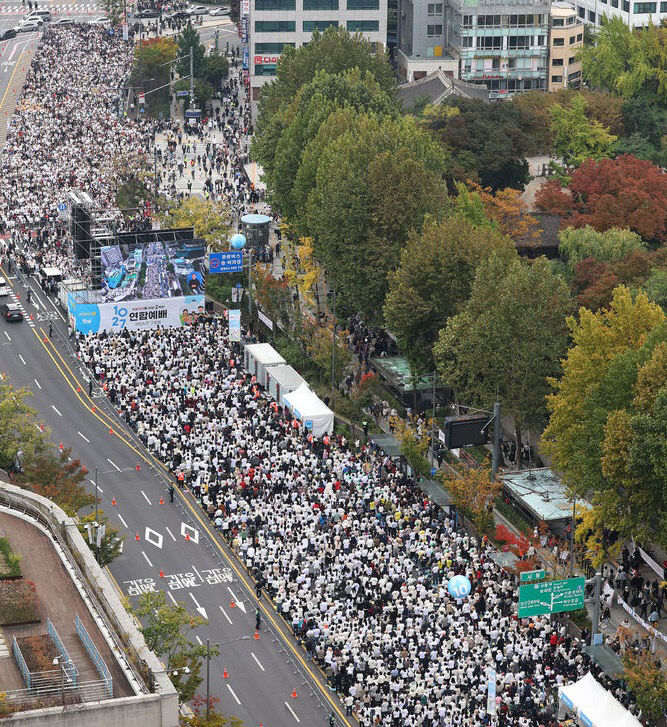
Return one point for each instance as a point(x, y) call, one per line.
point(44, 15)
point(4, 290)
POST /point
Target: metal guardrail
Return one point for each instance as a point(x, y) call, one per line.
point(95, 655)
point(67, 663)
point(20, 661)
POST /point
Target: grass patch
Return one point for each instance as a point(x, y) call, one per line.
point(509, 513)
point(10, 562)
point(18, 602)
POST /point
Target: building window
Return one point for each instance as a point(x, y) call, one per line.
point(574, 76)
point(573, 39)
point(490, 42)
point(558, 42)
point(275, 5)
point(642, 8)
point(557, 23)
point(320, 4)
point(626, 6)
point(582, 12)
point(267, 48)
point(275, 26)
point(488, 21)
point(571, 60)
point(433, 31)
point(364, 26)
point(591, 16)
point(614, 3)
point(265, 69)
point(519, 42)
point(310, 25)
point(363, 4)
point(663, 7)
point(467, 41)
point(580, 37)
point(557, 62)
point(467, 21)
point(556, 79)
point(434, 8)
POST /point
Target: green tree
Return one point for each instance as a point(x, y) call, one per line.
point(433, 281)
point(150, 70)
point(57, 477)
point(186, 39)
point(113, 10)
point(164, 627)
point(507, 340)
point(606, 434)
point(358, 215)
point(214, 718)
point(110, 543)
point(576, 138)
point(647, 681)
point(627, 60)
point(577, 244)
point(18, 430)
point(216, 69)
point(211, 220)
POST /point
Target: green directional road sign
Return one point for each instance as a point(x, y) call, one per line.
point(532, 575)
point(537, 599)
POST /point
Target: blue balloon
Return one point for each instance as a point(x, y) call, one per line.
point(459, 587)
point(237, 241)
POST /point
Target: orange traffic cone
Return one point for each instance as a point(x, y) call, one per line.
point(61, 447)
point(187, 536)
point(224, 674)
point(136, 536)
point(78, 388)
point(41, 426)
point(137, 468)
point(232, 604)
point(294, 693)
point(113, 500)
point(161, 500)
point(93, 409)
point(110, 430)
point(256, 636)
point(161, 573)
point(45, 339)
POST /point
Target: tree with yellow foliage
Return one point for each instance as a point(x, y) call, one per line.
point(474, 491)
point(211, 220)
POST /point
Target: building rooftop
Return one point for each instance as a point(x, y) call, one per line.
point(436, 87)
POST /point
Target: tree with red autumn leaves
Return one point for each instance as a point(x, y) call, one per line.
point(625, 192)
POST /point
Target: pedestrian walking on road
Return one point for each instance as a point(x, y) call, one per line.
point(171, 493)
point(90, 386)
point(258, 620)
point(50, 329)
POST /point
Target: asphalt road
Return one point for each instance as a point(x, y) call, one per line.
point(199, 570)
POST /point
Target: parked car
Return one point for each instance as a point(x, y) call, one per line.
point(218, 12)
point(198, 10)
point(62, 21)
point(28, 26)
point(147, 13)
point(45, 15)
point(4, 290)
point(100, 20)
point(11, 312)
point(7, 34)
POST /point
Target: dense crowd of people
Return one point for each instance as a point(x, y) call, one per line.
point(355, 557)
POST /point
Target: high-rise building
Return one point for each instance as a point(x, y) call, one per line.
point(634, 14)
point(276, 24)
point(566, 36)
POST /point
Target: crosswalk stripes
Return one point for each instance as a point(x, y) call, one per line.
point(56, 9)
point(26, 315)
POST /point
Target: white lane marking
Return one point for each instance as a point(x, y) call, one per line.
point(238, 701)
point(158, 537)
point(22, 360)
point(199, 641)
point(173, 537)
point(224, 613)
point(147, 559)
point(8, 337)
point(38, 384)
point(257, 660)
point(92, 482)
point(56, 411)
point(145, 497)
point(113, 464)
point(120, 517)
point(292, 712)
point(83, 436)
point(199, 608)
point(172, 598)
point(189, 530)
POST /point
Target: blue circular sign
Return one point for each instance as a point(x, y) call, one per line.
point(237, 241)
point(459, 587)
point(214, 263)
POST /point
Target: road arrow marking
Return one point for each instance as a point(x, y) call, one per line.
point(199, 608)
point(240, 604)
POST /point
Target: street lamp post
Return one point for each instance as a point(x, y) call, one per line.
point(60, 661)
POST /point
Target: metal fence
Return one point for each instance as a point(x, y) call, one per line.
point(67, 663)
point(95, 655)
point(20, 661)
point(57, 692)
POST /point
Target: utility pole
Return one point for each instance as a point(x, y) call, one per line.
point(574, 505)
point(208, 682)
point(192, 80)
point(250, 282)
point(495, 454)
point(596, 606)
point(435, 376)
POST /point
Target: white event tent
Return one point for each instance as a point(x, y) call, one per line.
point(310, 410)
point(593, 705)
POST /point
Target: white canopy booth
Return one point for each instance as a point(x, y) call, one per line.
point(308, 408)
point(593, 705)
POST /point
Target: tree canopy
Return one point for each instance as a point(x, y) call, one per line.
point(507, 339)
point(606, 430)
point(608, 246)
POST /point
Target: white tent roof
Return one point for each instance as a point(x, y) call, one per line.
point(264, 353)
point(286, 376)
point(594, 705)
point(311, 410)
